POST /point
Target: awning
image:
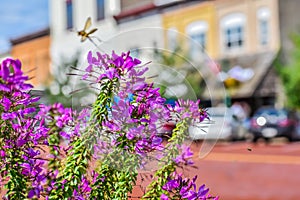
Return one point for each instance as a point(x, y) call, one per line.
point(260, 63)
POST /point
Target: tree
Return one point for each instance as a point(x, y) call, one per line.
point(176, 64)
point(62, 85)
point(289, 72)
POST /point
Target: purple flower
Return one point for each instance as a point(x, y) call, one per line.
point(118, 61)
point(164, 197)
point(32, 153)
point(6, 103)
point(190, 191)
point(26, 168)
point(185, 156)
point(2, 153)
point(131, 123)
point(4, 70)
point(65, 135)
point(189, 109)
point(8, 116)
point(186, 188)
point(27, 111)
point(64, 115)
point(110, 74)
point(21, 142)
point(12, 75)
point(170, 185)
point(93, 60)
point(130, 135)
point(85, 187)
point(4, 88)
point(94, 175)
point(33, 192)
point(156, 141)
point(194, 194)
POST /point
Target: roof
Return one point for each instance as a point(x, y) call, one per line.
point(150, 8)
point(30, 36)
point(135, 11)
point(267, 85)
point(261, 65)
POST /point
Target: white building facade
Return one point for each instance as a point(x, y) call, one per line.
point(69, 16)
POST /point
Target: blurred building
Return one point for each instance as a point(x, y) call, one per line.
point(247, 27)
point(33, 51)
point(289, 23)
point(4, 55)
point(236, 40)
point(138, 27)
point(69, 16)
point(242, 37)
point(122, 25)
point(248, 43)
point(228, 28)
point(193, 28)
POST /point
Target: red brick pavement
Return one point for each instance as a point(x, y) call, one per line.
point(244, 171)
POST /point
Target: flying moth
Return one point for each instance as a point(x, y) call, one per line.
point(83, 33)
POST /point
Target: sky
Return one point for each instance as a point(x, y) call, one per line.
point(21, 17)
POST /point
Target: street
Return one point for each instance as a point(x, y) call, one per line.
point(246, 171)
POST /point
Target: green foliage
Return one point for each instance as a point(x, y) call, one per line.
point(77, 161)
point(119, 170)
point(16, 184)
point(167, 163)
point(290, 74)
point(62, 85)
point(177, 63)
point(120, 137)
point(16, 181)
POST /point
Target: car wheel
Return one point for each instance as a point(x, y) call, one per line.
point(255, 139)
point(268, 140)
point(291, 137)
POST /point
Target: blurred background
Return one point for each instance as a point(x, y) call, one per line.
point(240, 57)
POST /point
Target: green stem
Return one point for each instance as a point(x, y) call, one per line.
point(76, 163)
point(154, 190)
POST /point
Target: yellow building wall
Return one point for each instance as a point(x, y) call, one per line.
point(35, 58)
point(249, 8)
point(213, 12)
point(181, 18)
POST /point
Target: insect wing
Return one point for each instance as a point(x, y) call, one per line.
point(83, 38)
point(88, 23)
point(92, 31)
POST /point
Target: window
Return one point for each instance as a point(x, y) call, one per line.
point(100, 9)
point(172, 38)
point(199, 38)
point(234, 37)
point(263, 32)
point(263, 15)
point(69, 9)
point(197, 32)
point(233, 31)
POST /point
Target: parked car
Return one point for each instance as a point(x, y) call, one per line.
point(222, 124)
point(166, 129)
point(269, 122)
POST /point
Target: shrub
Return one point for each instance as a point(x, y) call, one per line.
point(58, 153)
